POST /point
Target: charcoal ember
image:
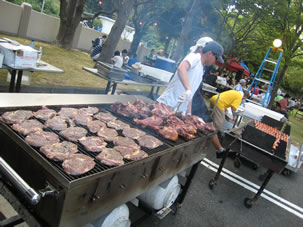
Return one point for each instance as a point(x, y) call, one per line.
point(73, 133)
point(105, 117)
point(131, 153)
point(45, 113)
point(125, 142)
point(89, 110)
point(133, 133)
point(95, 125)
point(18, 116)
point(28, 126)
point(93, 143)
point(59, 151)
point(41, 138)
point(56, 123)
point(117, 124)
point(149, 142)
point(67, 112)
point(107, 134)
point(82, 118)
point(78, 164)
point(110, 157)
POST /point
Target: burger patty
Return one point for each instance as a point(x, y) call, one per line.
point(73, 133)
point(45, 114)
point(110, 157)
point(93, 143)
point(28, 126)
point(41, 138)
point(95, 125)
point(149, 142)
point(133, 133)
point(78, 164)
point(108, 134)
point(56, 123)
point(131, 153)
point(59, 151)
point(18, 116)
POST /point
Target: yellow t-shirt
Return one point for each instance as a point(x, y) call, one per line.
point(227, 99)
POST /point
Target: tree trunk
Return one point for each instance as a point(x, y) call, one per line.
point(70, 15)
point(135, 43)
point(116, 31)
point(277, 85)
point(166, 45)
point(179, 53)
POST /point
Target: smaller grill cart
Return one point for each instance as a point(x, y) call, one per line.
point(256, 146)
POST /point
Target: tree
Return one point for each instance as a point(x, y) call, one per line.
point(70, 16)
point(123, 8)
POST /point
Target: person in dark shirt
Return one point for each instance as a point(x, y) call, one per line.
point(210, 76)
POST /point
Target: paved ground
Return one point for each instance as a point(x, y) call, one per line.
point(224, 205)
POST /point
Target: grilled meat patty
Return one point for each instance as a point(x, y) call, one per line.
point(59, 151)
point(18, 116)
point(78, 164)
point(110, 157)
point(45, 113)
point(95, 125)
point(105, 117)
point(133, 133)
point(93, 143)
point(41, 138)
point(149, 142)
point(67, 112)
point(131, 153)
point(28, 126)
point(125, 142)
point(73, 133)
point(108, 134)
point(56, 123)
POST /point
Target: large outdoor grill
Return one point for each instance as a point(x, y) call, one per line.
point(56, 198)
point(256, 147)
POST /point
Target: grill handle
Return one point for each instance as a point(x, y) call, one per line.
point(30, 194)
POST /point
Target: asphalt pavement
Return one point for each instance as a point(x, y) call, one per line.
point(281, 204)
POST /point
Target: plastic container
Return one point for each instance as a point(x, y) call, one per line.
point(119, 217)
point(165, 64)
point(163, 195)
point(155, 73)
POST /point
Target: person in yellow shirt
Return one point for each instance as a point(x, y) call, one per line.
point(231, 98)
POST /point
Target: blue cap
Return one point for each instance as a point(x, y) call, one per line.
point(216, 49)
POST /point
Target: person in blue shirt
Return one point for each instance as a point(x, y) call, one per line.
point(241, 85)
point(132, 60)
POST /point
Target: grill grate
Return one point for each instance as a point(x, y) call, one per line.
point(99, 167)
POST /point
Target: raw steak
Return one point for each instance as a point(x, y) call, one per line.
point(106, 117)
point(28, 126)
point(131, 153)
point(89, 110)
point(133, 133)
point(73, 133)
point(45, 113)
point(117, 124)
point(59, 151)
point(93, 143)
point(125, 142)
point(95, 125)
point(82, 118)
point(108, 134)
point(56, 123)
point(41, 138)
point(14, 117)
point(78, 164)
point(110, 157)
point(149, 142)
point(67, 112)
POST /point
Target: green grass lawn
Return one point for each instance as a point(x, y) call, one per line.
point(72, 62)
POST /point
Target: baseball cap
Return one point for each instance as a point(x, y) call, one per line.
point(201, 43)
point(216, 49)
point(242, 81)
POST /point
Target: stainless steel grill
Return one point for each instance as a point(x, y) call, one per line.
point(75, 200)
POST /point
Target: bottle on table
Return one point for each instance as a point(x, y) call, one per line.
point(32, 44)
point(39, 54)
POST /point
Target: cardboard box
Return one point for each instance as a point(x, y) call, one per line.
point(18, 56)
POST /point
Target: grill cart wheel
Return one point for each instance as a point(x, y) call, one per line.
point(212, 183)
point(248, 202)
point(237, 163)
point(286, 172)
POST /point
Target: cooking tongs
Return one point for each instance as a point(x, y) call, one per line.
point(176, 108)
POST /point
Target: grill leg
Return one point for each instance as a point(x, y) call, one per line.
point(213, 181)
point(114, 88)
point(248, 202)
point(13, 78)
point(107, 87)
point(151, 93)
point(19, 79)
